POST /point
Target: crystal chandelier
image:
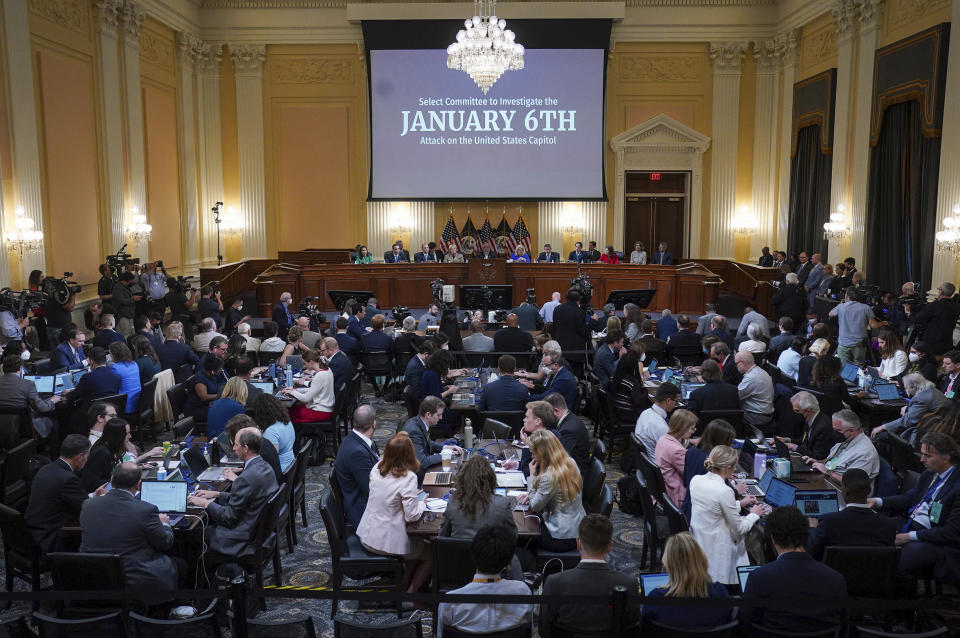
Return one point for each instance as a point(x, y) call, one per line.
point(948, 240)
point(139, 230)
point(485, 48)
point(836, 229)
point(24, 239)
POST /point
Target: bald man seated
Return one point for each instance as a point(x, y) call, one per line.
point(511, 339)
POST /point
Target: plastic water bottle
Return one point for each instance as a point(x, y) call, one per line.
point(288, 372)
point(161, 473)
point(468, 434)
point(759, 464)
point(206, 453)
point(862, 378)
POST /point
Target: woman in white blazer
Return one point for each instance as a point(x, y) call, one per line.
point(393, 501)
point(715, 520)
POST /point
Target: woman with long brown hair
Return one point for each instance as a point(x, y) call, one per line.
point(893, 357)
point(556, 491)
point(393, 502)
point(473, 504)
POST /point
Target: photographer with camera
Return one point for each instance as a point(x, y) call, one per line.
point(210, 304)
point(125, 302)
point(153, 280)
point(182, 302)
point(61, 299)
point(11, 326)
point(855, 319)
point(105, 286)
point(935, 322)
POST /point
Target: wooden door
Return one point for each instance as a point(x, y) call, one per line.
point(668, 226)
point(651, 219)
point(639, 219)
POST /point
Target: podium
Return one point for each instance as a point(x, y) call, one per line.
point(487, 272)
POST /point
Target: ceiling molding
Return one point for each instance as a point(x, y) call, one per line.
point(181, 15)
point(328, 4)
point(358, 11)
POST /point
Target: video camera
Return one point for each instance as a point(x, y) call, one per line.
point(180, 284)
point(436, 287)
point(581, 283)
point(61, 289)
point(400, 313)
point(19, 303)
point(916, 300)
point(120, 261)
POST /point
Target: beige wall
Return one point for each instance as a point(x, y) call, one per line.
point(902, 18)
point(818, 46)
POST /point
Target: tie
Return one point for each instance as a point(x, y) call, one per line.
point(950, 387)
point(934, 485)
point(373, 446)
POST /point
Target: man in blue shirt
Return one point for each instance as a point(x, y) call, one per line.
point(855, 321)
point(69, 354)
point(12, 327)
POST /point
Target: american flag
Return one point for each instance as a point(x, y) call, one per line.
point(519, 235)
point(487, 240)
point(450, 235)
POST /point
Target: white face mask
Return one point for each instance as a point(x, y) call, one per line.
point(25, 355)
point(239, 308)
point(914, 356)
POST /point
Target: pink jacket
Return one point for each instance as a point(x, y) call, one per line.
point(671, 454)
point(392, 502)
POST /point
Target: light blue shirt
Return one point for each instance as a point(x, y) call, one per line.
point(155, 285)
point(485, 618)
point(854, 319)
point(10, 326)
point(546, 311)
point(282, 436)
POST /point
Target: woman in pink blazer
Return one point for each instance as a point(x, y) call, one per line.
point(671, 453)
point(394, 501)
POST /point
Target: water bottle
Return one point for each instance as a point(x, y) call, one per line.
point(206, 454)
point(468, 434)
point(862, 378)
point(288, 372)
point(759, 464)
point(161, 473)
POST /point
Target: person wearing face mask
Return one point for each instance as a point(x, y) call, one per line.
point(234, 316)
point(15, 392)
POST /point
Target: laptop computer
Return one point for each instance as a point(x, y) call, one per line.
point(888, 394)
point(687, 388)
point(816, 503)
point(44, 384)
point(266, 386)
point(850, 373)
point(653, 364)
point(511, 479)
point(63, 383)
point(649, 582)
point(295, 361)
point(199, 467)
point(743, 573)
point(779, 493)
point(759, 488)
point(170, 497)
point(438, 478)
point(796, 463)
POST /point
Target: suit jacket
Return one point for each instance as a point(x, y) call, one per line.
point(96, 384)
point(487, 254)
point(420, 258)
point(582, 256)
point(938, 319)
point(715, 395)
point(16, 392)
point(117, 523)
point(573, 435)
point(789, 301)
point(684, 339)
point(923, 402)
point(56, 497)
point(564, 383)
point(777, 345)
point(349, 344)
point(413, 374)
point(233, 516)
point(458, 524)
point(819, 437)
point(723, 335)
point(355, 330)
point(280, 318)
point(765, 261)
point(588, 579)
point(514, 340)
point(64, 356)
point(662, 258)
point(377, 341)
point(794, 575)
point(814, 279)
point(428, 451)
point(388, 257)
point(352, 468)
point(342, 369)
point(730, 373)
point(570, 330)
point(105, 337)
point(655, 348)
point(554, 257)
point(803, 272)
point(478, 342)
point(173, 354)
point(667, 327)
point(528, 315)
point(851, 526)
point(506, 393)
point(605, 364)
point(408, 342)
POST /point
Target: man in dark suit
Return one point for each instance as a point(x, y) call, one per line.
point(69, 352)
point(716, 394)
point(804, 269)
point(172, 352)
point(592, 252)
point(376, 340)
point(395, 256)
point(355, 327)
point(548, 255)
point(561, 380)
point(782, 341)
point(948, 382)
point(418, 428)
point(818, 433)
point(417, 364)
point(233, 515)
point(606, 357)
point(794, 575)
point(578, 254)
point(108, 333)
point(282, 316)
point(528, 314)
point(17, 392)
point(425, 255)
point(654, 348)
point(571, 430)
point(506, 393)
point(720, 352)
point(141, 326)
point(349, 345)
point(662, 256)
point(512, 339)
point(100, 382)
point(937, 319)
point(340, 364)
point(718, 328)
point(930, 536)
point(356, 457)
point(856, 524)
point(685, 340)
point(570, 327)
point(789, 300)
point(119, 523)
point(592, 577)
point(766, 259)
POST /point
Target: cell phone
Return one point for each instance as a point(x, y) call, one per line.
point(421, 496)
point(502, 491)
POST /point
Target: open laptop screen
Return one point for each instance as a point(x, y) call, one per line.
point(849, 372)
point(887, 391)
point(779, 493)
point(743, 573)
point(44, 383)
point(265, 386)
point(649, 582)
point(168, 496)
point(816, 503)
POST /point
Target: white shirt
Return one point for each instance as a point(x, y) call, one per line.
point(789, 363)
point(483, 618)
point(892, 366)
point(651, 425)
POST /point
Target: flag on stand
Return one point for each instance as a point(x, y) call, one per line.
point(450, 236)
point(487, 240)
point(501, 234)
point(519, 235)
point(469, 237)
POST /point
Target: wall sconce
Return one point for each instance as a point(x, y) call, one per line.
point(948, 240)
point(572, 221)
point(836, 229)
point(24, 239)
point(139, 230)
point(400, 219)
point(743, 226)
point(231, 224)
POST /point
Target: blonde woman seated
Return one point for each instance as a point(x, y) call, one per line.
point(686, 564)
point(453, 255)
point(391, 504)
point(671, 453)
point(893, 357)
point(555, 491)
point(314, 403)
point(715, 516)
point(294, 345)
point(520, 253)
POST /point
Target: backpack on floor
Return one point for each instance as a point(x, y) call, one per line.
point(628, 496)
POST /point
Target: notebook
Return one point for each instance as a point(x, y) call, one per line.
point(44, 384)
point(779, 493)
point(649, 582)
point(816, 503)
point(743, 573)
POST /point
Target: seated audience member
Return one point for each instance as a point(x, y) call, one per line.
point(951, 370)
point(922, 361)
point(274, 422)
point(57, 494)
point(100, 382)
point(750, 317)
point(856, 449)
point(716, 394)
point(591, 577)
point(491, 552)
point(473, 504)
point(418, 429)
point(794, 575)
point(818, 433)
point(825, 378)
point(203, 388)
point(717, 432)
point(783, 340)
point(720, 352)
point(754, 342)
point(97, 416)
point(656, 348)
point(413, 374)
point(924, 398)
point(430, 318)
point(243, 367)
point(571, 430)
point(314, 403)
point(671, 451)
point(107, 333)
point(408, 340)
point(683, 339)
point(718, 329)
point(349, 344)
point(271, 342)
point(392, 503)
point(69, 353)
point(755, 390)
point(232, 401)
point(173, 353)
point(539, 415)
point(556, 492)
point(606, 356)
point(148, 364)
point(253, 344)
point(686, 564)
point(208, 330)
point(930, 532)
point(856, 524)
point(123, 365)
point(432, 384)
point(819, 349)
point(111, 449)
point(506, 393)
point(652, 423)
point(715, 519)
point(310, 337)
point(356, 457)
point(893, 357)
point(477, 341)
point(143, 326)
point(376, 340)
point(219, 347)
point(294, 345)
point(561, 380)
point(704, 323)
point(233, 515)
point(511, 338)
point(17, 393)
point(120, 523)
point(630, 396)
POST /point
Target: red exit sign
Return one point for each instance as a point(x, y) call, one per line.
point(654, 177)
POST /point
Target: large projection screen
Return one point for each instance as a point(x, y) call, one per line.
point(537, 133)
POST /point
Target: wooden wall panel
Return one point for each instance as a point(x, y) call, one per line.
point(162, 173)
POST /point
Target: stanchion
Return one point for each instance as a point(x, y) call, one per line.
point(238, 594)
point(618, 601)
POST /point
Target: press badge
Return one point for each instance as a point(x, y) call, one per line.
point(832, 464)
point(935, 508)
point(949, 395)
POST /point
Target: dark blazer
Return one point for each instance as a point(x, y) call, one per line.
point(280, 318)
point(355, 330)
point(730, 373)
point(407, 342)
point(724, 336)
point(944, 382)
point(554, 256)
point(605, 364)
point(487, 254)
point(253, 393)
point(117, 523)
point(765, 261)
point(573, 435)
point(661, 258)
point(805, 369)
point(716, 395)
point(16, 392)
point(105, 337)
point(388, 257)
point(155, 340)
point(584, 255)
point(420, 258)
point(803, 271)
point(413, 374)
point(793, 575)
point(514, 340)
point(667, 327)
point(683, 339)
point(63, 356)
point(528, 315)
point(654, 348)
point(570, 330)
point(377, 341)
point(564, 383)
point(233, 515)
point(851, 526)
point(352, 468)
point(457, 524)
point(98, 383)
point(428, 452)
point(98, 469)
point(938, 319)
point(777, 345)
point(173, 354)
point(819, 437)
point(342, 369)
point(689, 616)
point(506, 393)
point(56, 497)
point(348, 343)
point(588, 579)
point(789, 301)
point(835, 393)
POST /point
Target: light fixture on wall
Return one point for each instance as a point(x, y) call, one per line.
point(485, 47)
point(948, 239)
point(24, 239)
point(400, 219)
point(572, 221)
point(836, 229)
point(139, 230)
point(743, 226)
point(231, 224)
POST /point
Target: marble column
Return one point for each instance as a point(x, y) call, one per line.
point(786, 44)
point(845, 14)
point(188, 48)
point(248, 62)
point(132, 22)
point(767, 105)
point(863, 103)
point(727, 60)
point(948, 187)
point(111, 119)
point(25, 140)
point(209, 145)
